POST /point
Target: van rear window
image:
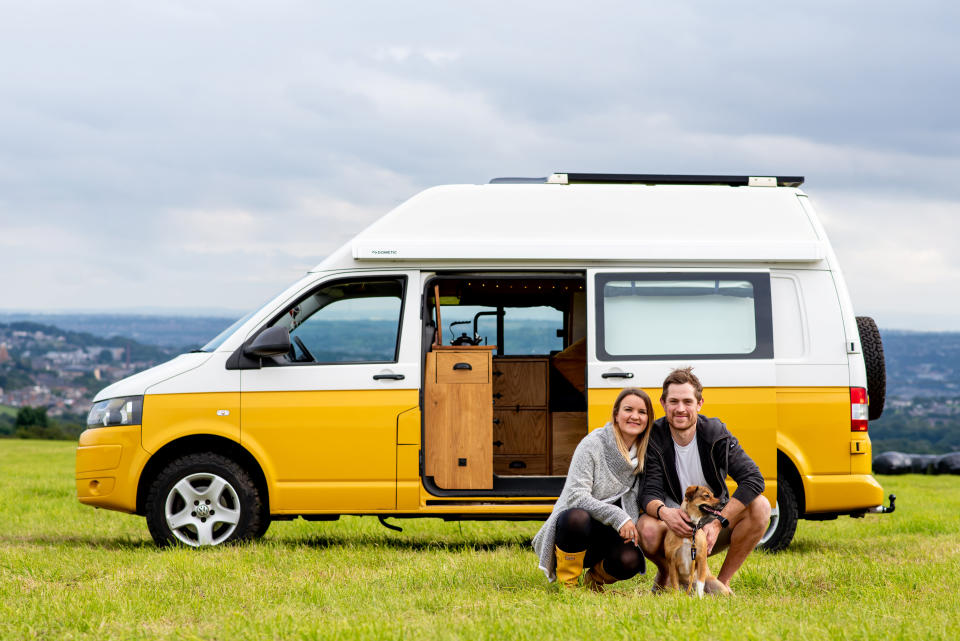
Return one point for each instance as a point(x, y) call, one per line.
point(660, 316)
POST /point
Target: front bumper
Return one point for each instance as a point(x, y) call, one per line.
point(109, 460)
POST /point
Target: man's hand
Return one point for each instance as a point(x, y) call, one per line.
point(629, 533)
point(677, 521)
point(712, 530)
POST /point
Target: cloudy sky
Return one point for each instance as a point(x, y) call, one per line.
point(202, 155)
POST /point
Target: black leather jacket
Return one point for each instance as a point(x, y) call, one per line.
point(720, 456)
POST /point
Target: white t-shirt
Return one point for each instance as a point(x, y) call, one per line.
point(689, 470)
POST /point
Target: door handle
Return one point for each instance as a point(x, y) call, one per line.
point(517, 465)
point(389, 377)
point(617, 375)
point(462, 366)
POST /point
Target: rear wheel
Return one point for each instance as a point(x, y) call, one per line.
point(783, 519)
point(204, 499)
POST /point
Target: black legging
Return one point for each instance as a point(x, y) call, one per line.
point(578, 531)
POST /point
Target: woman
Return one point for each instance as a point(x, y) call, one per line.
point(593, 523)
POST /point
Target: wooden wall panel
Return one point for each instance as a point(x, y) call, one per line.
point(567, 428)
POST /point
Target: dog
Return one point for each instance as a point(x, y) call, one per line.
point(687, 557)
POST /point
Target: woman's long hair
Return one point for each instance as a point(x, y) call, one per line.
point(644, 438)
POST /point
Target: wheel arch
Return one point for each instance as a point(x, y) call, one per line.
point(200, 443)
point(788, 470)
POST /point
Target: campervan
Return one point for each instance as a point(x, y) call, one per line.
point(446, 362)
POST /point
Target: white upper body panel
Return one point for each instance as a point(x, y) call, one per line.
point(808, 330)
point(509, 223)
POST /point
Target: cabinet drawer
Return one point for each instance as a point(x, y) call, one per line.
point(463, 367)
point(522, 383)
point(506, 465)
point(520, 432)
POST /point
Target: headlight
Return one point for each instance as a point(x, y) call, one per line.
point(125, 410)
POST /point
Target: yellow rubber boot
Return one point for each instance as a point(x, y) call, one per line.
point(597, 577)
point(569, 567)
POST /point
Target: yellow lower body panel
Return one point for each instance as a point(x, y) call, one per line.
point(109, 461)
point(408, 478)
point(328, 451)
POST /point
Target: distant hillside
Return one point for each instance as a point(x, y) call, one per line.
point(138, 351)
point(184, 332)
point(922, 363)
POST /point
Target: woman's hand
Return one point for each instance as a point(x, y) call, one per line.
point(629, 533)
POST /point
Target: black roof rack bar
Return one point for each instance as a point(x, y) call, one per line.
point(676, 179)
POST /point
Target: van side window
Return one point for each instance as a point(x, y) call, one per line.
point(659, 316)
point(352, 321)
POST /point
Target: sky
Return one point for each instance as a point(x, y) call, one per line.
point(200, 156)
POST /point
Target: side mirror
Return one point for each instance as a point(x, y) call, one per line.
point(272, 341)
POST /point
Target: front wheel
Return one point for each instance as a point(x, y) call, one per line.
point(204, 499)
point(783, 519)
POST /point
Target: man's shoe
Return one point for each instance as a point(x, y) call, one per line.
point(597, 577)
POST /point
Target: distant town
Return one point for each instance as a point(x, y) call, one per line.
point(51, 366)
point(59, 368)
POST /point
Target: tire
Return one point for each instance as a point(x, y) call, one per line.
point(226, 504)
point(783, 519)
point(872, 347)
point(265, 522)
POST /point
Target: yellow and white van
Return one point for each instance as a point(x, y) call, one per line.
point(446, 361)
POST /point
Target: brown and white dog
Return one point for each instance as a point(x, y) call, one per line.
point(687, 557)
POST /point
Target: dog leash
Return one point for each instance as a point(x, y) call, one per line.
point(696, 526)
point(711, 515)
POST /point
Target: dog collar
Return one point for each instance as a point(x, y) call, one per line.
point(714, 514)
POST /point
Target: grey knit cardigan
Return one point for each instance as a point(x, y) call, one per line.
point(598, 476)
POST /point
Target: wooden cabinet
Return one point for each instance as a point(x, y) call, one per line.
point(458, 418)
point(519, 431)
point(517, 464)
point(485, 416)
point(521, 444)
point(520, 383)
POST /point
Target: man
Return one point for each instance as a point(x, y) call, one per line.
point(688, 449)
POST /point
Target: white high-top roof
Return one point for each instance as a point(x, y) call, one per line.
point(590, 222)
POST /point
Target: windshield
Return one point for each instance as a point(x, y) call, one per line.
point(225, 334)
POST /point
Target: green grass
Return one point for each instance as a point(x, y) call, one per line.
point(71, 572)
point(8, 410)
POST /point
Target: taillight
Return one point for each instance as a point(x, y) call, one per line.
point(858, 409)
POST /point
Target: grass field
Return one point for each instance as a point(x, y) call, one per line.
point(71, 572)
